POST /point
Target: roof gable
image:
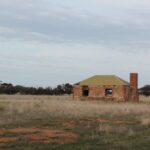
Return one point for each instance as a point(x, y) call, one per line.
point(103, 80)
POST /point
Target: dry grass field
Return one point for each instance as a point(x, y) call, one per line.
point(58, 122)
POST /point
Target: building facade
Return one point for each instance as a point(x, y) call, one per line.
point(107, 87)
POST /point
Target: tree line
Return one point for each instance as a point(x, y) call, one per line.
point(8, 88)
point(145, 90)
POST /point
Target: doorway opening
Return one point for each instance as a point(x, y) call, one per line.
point(85, 91)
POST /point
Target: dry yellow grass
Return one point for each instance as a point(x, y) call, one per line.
point(29, 107)
point(145, 99)
point(108, 125)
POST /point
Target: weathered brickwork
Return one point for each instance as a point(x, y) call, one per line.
point(119, 92)
point(134, 87)
point(77, 92)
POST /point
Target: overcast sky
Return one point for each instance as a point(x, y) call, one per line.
point(49, 42)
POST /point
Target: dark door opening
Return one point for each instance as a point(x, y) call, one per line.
point(85, 92)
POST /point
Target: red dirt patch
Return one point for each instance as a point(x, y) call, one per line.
point(52, 136)
point(23, 130)
point(7, 139)
point(47, 135)
point(40, 135)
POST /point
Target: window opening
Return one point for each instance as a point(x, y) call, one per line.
point(108, 92)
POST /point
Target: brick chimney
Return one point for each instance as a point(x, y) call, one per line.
point(134, 96)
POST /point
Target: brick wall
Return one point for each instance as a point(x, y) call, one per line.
point(120, 93)
point(134, 96)
point(77, 92)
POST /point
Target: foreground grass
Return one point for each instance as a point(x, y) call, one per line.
point(97, 125)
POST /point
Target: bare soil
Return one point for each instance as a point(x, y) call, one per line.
point(38, 135)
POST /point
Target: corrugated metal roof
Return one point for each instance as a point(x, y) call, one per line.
point(103, 80)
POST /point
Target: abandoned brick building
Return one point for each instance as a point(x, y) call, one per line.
point(107, 87)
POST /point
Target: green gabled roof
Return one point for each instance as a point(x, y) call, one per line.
point(103, 80)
